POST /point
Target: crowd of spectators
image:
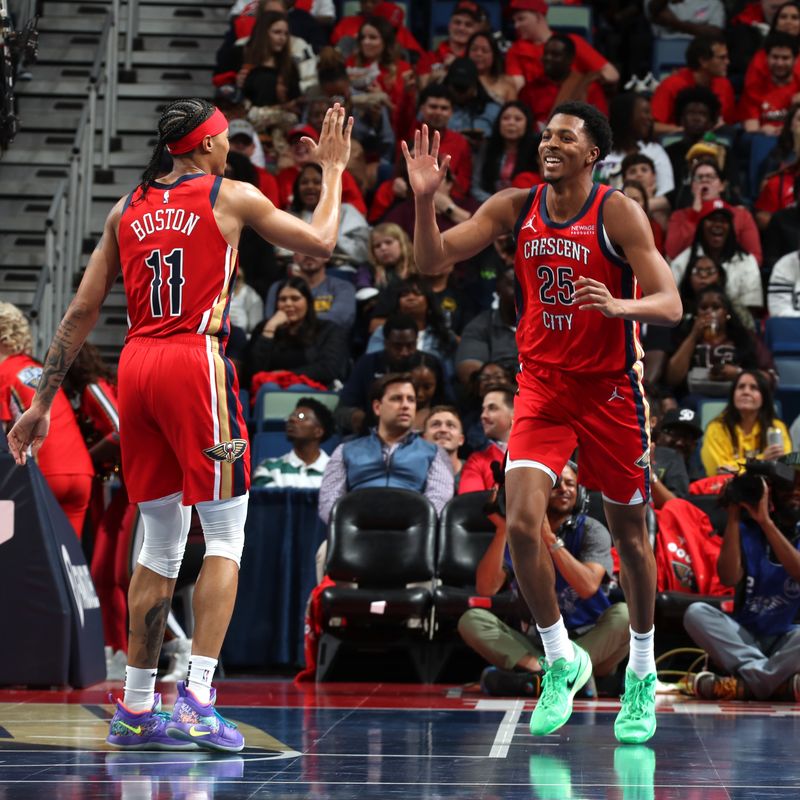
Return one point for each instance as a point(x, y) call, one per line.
point(424, 365)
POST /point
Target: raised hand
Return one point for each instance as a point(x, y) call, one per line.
point(333, 149)
point(28, 431)
point(425, 174)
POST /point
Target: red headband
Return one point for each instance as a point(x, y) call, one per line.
point(215, 124)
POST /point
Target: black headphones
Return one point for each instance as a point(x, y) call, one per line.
point(581, 499)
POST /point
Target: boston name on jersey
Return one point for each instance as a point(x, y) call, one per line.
point(164, 219)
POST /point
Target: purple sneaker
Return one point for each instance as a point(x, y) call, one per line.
point(146, 730)
point(202, 724)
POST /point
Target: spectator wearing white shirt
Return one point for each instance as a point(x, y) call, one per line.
point(310, 424)
point(783, 292)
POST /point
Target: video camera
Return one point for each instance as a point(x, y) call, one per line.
point(749, 487)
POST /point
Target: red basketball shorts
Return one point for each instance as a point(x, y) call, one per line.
point(180, 421)
point(605, 416)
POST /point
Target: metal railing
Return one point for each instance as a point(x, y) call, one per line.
point(69, 219)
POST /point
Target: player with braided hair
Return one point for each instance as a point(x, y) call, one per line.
point(182, 434)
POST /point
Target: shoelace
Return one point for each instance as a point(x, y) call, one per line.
point(549, 696)
point(637, 699)
point(224, 721)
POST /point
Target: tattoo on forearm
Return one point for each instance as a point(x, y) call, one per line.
point(154, 623)
point(60, 356)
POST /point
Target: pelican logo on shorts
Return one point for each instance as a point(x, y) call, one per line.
point(643, 462)
point(227, 451)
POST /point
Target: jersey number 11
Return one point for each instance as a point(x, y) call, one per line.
point(174, 260)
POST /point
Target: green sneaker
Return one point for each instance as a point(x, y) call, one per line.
point(550, 778)
point(636, 721)
point(562, 681)
point(635, 767)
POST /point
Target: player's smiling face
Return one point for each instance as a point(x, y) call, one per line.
point(565, 149)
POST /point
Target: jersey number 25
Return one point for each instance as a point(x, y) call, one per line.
point(556, 283)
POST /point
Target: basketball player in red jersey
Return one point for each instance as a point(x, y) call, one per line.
point(183, 438)
point(587, 272)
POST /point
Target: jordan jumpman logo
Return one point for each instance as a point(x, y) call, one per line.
point(615, 395)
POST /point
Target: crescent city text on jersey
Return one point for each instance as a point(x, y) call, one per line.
point(165, 219)
point(556, 246)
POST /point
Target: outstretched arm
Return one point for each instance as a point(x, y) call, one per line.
point(81, 316)
point(629, 229)
point(317, 238)
point(434, 251)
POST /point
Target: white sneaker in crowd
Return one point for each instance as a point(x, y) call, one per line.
point(179, 651)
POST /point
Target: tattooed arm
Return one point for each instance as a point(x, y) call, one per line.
point(101, 272)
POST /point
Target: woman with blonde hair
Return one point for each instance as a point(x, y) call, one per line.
point(391, 255)
point(63, 458)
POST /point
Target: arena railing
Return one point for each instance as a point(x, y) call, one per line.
point(68, 226)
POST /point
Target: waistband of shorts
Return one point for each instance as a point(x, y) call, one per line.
point(535, 369)
point(197, 340)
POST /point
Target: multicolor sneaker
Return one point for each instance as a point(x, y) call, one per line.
point(145, 730)
point(562, 681)
point(202, 724)
point(709, 686)
point(636, 721)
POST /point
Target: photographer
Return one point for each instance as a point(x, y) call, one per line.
point(758, 645)
point(581, 551)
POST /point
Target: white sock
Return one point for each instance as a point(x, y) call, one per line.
point(140, 687)
point(642, 659)
point(201, 673)
point(556, 642)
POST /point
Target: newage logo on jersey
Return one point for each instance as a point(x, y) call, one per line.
point(80, 581)
point(30, 376)
point(581, 230)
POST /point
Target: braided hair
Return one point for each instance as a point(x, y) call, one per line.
point(177, 120)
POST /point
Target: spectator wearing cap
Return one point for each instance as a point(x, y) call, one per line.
point(675, 440)
point(300, 153)
point(243, 139)
point(706, 65)
point(436, 110)
point(334, 298)
point(474, 111)
point(376, 65)
point(467, 18)
point(345, 34)
point(307, 427)
point(559, 82)
point(524, 57)
point(708, 187)
point(715, 237)
point(763, 108)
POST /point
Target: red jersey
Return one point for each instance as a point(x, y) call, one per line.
point(663, 100)
point(177, 266)
point(525, 58)
point(551, 256)
point(63, 451)
point(97, 412)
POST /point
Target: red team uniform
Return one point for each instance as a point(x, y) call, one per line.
point(580, 372)
point(182, 428)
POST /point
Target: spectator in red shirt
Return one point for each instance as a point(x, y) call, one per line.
point(300, 152)
point(787, 20)
point(559, 82)
point(467, 18)
point(706, 65)
point(781, 168)
point(376, 65)
point(746, 32)
point(707, 184)
point(346, 31)
point(763, 108)
point(524, 58)
point(497, 417)
point(435, 110)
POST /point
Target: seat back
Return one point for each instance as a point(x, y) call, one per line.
point(789, 371)
point(268, 444)
point(381, 538)
point(668, 54)
point(272, 408)
point(465, 533)
point(710, 409)
point(782, 335)
point(571, 19)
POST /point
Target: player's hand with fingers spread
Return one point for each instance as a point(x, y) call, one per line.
point(28, 431)
point(333, 149)
point(594, 295)
point(425, 173)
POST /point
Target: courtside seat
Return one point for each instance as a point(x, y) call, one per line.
point(381, 540)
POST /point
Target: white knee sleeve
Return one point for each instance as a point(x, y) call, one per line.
point(166, 526)
point(223, 527)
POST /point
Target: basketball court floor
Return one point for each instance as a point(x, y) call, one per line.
point(388, 741)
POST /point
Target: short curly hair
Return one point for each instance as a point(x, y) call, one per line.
point(15, 331)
